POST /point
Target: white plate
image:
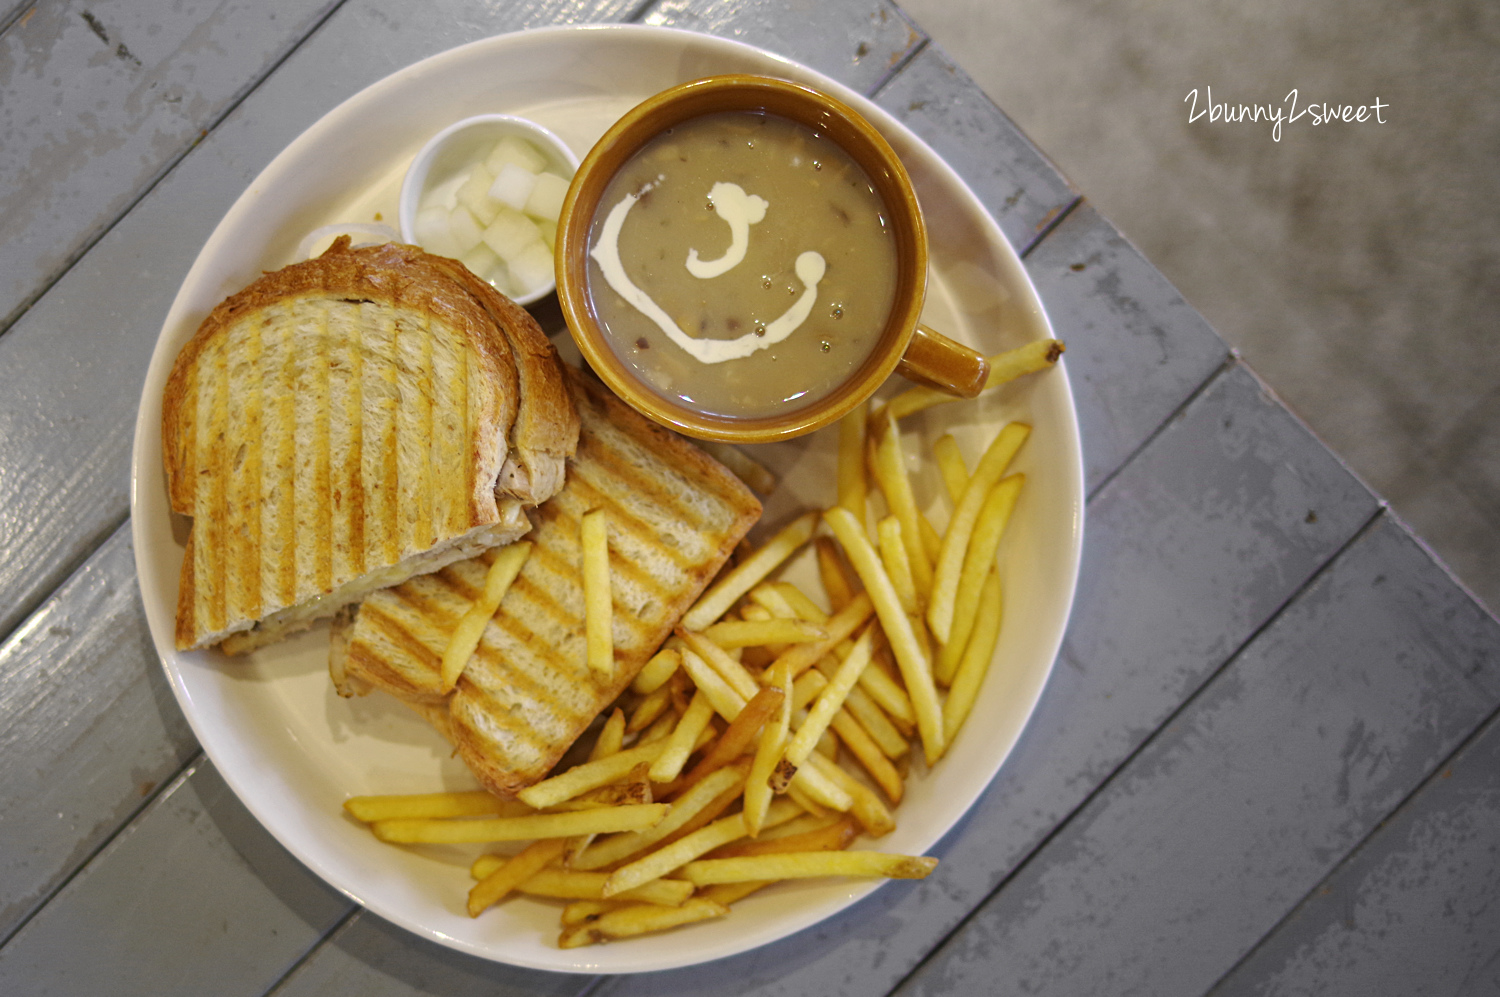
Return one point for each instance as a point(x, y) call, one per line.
point(293, 751)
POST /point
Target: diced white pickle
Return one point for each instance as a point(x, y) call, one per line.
point(481, 260)
point(511, 234)
point(549, 233)
point(513, 186)
point(474, 194)
point(433, 231)
point(547, 197)
point(518, 151)
point(533, 267)
point(465, 228)
point(445, 194)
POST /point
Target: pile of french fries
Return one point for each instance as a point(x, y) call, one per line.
point(777, 725)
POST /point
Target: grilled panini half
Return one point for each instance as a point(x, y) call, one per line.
point(342, 424)
point(674, 516)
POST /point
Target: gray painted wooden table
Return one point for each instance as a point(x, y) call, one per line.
point(1267, 761)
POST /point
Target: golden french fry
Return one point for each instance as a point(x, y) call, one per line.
point(726, 700)
point(754, 474)
point(838, 584)
point(951, 466)
point(897, 564)
point(801, 865)
point(611, 736)
point(598, 612)
point(719, 789)
point(915, 671)
point(661, 667)
point(768, 753)
point(1037, 355)
point(473, 803)
point(639, 919)
point(573, 884)
point(743, 576)
point(684, 737)
point(989, 528)
point(851, 460)
point(654, 865)
point(586, 911)
point(890, 469)
point(867, 808)
point(738, 735)
point(650, 709)
point(829, 834)
point(491, 889)
point(829, 701)
point(470, 629)
point(730, 634)
point(597, 820)
point(730, 670)
point(801, 603)
point(977, 657)
point(961, 526)
point(863, 747)
point(840, 625)
point(590, 775)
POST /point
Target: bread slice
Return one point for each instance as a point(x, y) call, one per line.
point(342, 424)
point(675, 515)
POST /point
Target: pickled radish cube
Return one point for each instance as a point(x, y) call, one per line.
point(549, 233)
point(465, 228)
point(517, 151)
point(511, 234)
point(533, 268)
point(481, 260)
point(474, 194)
point(513, 186)
point(445, 194)
point(547, 197)
point(433, 231)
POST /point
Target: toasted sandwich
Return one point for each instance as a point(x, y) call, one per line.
point(675, 515)
point(345, 423)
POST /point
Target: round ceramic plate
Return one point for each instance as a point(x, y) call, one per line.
point(293, 750)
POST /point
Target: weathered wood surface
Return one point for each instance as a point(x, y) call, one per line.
point(1224, 544)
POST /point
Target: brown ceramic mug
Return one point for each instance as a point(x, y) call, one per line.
point(904, 345)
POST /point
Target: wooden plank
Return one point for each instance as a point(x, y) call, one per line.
point(194, 898)
point(1022, 189)
point(72, 367)
point(857, 42)
point(1136, 349)
point(88, 728)
point(1246, 799)
point(370, 957)
point(97, 101)
point(1187, 552)
point(1413, 910)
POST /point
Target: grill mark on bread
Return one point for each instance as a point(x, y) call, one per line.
point(209, 495)
point(243, 513)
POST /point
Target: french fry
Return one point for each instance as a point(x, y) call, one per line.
point(745, 575)
point(598, 609)
point(754, 474)
point(470, 629)
point(802, 865)
point(586, 911)
point(897, 564)
point(493, 888)
point(738, 735)
point(611, 736)
point(726, 700)
point(867, 808)
point(851, 460)
point(801, 603)
point(829, 701)
point(731, 671)
point(573, 884)
point(863, 747)
point(863, 708)
point(597, 820)
point(829, 834)
point(650, 709)
point(769, 596)
point(977, 657)
point(655, 864)
point(654, 673)
point(719, 789)
point(474, 803)
point(961, 526)
point(768, 754)
point(989, 528)
point(684, 737)
point(638, 919)
point(730, 634)
point(1037, 355)
point(891, 476)
point(590, 775)
point(951, 466)
point(839, 626)
point(915, 671)
point(838, 584)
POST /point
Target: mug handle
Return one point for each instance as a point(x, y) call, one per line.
point(933, 359)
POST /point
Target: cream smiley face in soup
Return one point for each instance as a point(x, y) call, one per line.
point(741, 263)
